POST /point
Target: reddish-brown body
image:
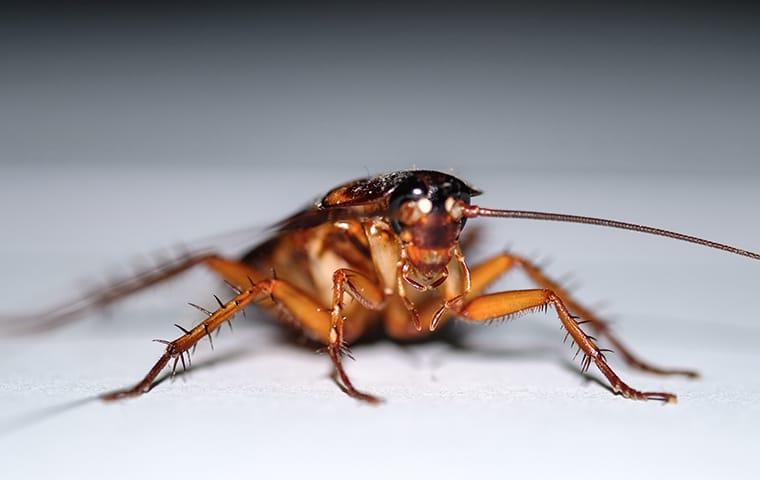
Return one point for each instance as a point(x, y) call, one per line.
point(382, 250)
point(308, 260)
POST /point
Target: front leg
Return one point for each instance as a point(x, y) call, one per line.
point(596, 323)
point(490, 270)
point(370, 296)
point(487, 307)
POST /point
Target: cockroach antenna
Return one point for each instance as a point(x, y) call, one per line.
point(474, 211)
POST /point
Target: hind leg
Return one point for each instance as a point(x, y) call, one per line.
point(96, 300)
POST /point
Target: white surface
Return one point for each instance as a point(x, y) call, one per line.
point(509, 406)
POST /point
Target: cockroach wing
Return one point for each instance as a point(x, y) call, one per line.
point(364, 191)
point(361, 198)
point(315, 216)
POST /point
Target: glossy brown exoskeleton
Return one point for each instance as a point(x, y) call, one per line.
point(392, 244)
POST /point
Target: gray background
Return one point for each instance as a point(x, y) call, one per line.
point(126, 131)
point(585, 88)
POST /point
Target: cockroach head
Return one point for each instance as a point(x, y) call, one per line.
point(426, 212)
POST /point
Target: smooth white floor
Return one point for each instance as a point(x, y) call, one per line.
point(510, 404)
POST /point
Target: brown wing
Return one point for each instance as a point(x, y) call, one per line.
point(315, 216)
point(364, 191)
point(361, 198)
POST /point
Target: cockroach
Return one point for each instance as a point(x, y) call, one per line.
point(392, 244)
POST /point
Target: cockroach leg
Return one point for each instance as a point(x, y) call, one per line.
point(308, 314)
point(344, 382)
point(176, 348)
point(358, 286)
point(459, 256)
point(102, 298)
point(401, 290)
point(490, 270)
point(488, 307)
point(598, 325)
point(478, 278)
point(370, 296)
point(453, 298)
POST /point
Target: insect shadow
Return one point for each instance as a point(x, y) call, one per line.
point(39, 415)
point(455, 338)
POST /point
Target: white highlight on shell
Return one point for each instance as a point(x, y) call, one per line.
point(425, 205)
point(453, 207)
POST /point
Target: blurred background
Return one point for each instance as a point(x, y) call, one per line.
point(128, 128)
point(524, 87)
point(125, 103)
